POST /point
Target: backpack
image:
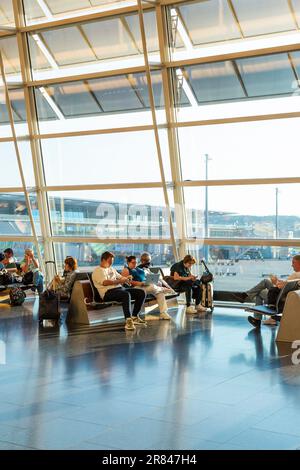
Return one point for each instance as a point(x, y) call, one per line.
point(17, 296)
point(5, 277)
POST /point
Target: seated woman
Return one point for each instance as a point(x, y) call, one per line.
point(64, 285)
point(31, 265)
point(139, 280)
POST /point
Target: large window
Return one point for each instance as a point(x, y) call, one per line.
point(187, 142)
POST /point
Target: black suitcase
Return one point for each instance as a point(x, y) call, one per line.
point(49, 306)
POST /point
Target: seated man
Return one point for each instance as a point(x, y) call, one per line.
point(9, 262)
point(110, 285)
point(31, 265)
point(139, 276)
point(269, 289)
point(182, 280)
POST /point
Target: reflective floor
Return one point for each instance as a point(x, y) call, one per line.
point(195, 383)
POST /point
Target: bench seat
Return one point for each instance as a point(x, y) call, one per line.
point(83, 309)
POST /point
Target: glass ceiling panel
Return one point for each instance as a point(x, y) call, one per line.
point(38, 60)
point(264, 16)
point(44, 110)
point(49, 10)
point(10, 53)
point(68, 46)
point(214, 82)
point(150, 29)
point(6, 13)
point(116, 94)
point(110, 39)
point(296, 8)
point(267, 75)
point(209, 21)
point(74, 99)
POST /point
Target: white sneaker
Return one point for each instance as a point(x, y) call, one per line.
point(164, 316)
point(129, 325)
point(270, 322)
point(200, 308)
point(191, 310)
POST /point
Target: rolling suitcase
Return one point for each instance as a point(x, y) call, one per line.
point(49, 303)
point(207, 287)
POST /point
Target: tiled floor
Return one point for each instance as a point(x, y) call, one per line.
point(195, 383)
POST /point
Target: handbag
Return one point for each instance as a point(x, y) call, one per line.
point(5, 278)
point(28, 278)
point(207, 276)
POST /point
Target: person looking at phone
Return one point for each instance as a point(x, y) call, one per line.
point(31, 265)
point(182, 280)
point(110, 285)
point(139, 280)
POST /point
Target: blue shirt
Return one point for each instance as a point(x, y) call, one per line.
point(137, 274)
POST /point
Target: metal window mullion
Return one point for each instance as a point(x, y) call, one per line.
point(33, 129)
point(156, 134)
point(174, 153)
point(19, 160)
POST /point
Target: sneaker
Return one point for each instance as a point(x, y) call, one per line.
point(139, 321)
point(191, 310)
point(240, 296)
point(271, 322)
point(129, 325)
point(164, 316)
point(254, 322)
point(200, 308)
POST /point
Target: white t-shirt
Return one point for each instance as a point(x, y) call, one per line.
point(105, 274)
point(294, 277)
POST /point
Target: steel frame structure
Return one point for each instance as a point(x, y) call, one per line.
point(165, 65)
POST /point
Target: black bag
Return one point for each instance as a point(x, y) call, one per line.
point(49, 306)
point(28, 278)
point(17, 296)
point(207, 275)
point(5, 278)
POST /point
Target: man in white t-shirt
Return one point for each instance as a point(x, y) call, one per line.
point(110, 285)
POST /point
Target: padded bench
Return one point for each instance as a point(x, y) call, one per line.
point(86, 305)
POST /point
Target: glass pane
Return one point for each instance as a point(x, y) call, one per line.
point(267, 75)
point(263, 16)
point(10, 177)
point(104, 98)
point(230, 156)
point(244, 211)
point(150, 30)
point(88, 254)
point(17, 247)
point(214, 82)
point(10, 54)
point(239, 268)
point(14, 218)
point(6, 13)
point(36, 11)
point(209, 21)
point(103, 159)
point(128, 213)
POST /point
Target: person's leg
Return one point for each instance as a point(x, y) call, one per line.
point(197, 293)
point(38, 281)
point(139, 296)
point(257, 292)
point(120, 295)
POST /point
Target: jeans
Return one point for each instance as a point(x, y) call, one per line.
point(124, 296)
point(259, 293)
point(38, 281)
point(191, 289)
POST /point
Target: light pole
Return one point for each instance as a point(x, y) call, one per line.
point(205, 251)
point(276, 213)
